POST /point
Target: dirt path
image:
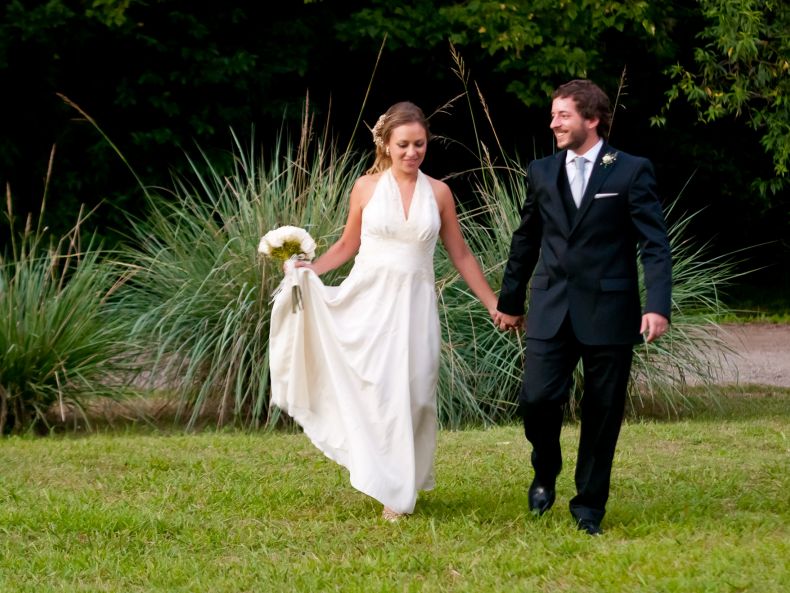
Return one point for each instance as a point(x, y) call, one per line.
point(762, 354)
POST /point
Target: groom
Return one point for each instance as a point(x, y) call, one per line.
point(587, 209)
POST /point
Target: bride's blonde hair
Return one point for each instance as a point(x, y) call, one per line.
point(399, 114)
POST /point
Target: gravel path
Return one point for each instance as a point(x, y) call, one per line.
point(762, 353)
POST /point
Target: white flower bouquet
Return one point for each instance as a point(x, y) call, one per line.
point(287, 242)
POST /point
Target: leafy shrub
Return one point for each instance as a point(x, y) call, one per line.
point(62, 340)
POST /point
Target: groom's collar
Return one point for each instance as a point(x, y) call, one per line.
point(590, 156)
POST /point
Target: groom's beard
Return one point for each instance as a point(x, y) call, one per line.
point(571, 139)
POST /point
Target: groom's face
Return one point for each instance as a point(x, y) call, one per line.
point(571, 130)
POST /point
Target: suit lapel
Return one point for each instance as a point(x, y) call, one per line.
point(597, 177)
point(558, 174)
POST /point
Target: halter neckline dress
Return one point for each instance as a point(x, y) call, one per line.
point(357, 365)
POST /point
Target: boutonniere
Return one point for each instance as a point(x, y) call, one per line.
point(608, 159)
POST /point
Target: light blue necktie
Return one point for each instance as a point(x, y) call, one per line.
point(577, 188)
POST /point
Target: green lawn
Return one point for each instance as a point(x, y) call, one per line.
point(697, 505)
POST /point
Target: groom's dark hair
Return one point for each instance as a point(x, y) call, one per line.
point(591, 102)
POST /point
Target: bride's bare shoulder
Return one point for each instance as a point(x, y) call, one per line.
point(440, 189)
point(364, 187)
point(367, 181)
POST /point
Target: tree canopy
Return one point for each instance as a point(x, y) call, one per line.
point(742, 69)
point(170, 76)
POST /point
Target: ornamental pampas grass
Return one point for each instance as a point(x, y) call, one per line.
point(200, 294)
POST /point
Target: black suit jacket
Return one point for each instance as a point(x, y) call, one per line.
point(586, 267)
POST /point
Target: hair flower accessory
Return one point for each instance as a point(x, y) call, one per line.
point(608, 159)
point(378, 139)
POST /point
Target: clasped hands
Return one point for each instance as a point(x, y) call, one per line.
point(507, 322)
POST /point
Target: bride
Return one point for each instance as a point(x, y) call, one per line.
point(357, 365)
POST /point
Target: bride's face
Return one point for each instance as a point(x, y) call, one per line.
point(407, 145)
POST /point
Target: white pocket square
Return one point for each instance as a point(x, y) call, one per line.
point(598, 196)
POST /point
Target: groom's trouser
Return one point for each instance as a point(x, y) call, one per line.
point(548, 377)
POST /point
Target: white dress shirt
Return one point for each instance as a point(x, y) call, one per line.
point(589, 159)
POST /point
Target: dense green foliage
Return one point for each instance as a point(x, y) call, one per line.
point(743, 69)
point(162, 76)
point(158, 76)
point(534, 44)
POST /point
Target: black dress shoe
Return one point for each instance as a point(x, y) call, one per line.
point(589, 526)
point(540, 498)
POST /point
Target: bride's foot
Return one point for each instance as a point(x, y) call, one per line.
point(389, 515)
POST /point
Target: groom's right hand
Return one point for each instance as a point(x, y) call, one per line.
point(508, 322)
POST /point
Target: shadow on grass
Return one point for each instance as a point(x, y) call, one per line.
point(729, 402)
point(146, 414)
point(152, 414)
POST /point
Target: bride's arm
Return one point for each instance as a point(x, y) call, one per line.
point(463, 259)
point(348, 244)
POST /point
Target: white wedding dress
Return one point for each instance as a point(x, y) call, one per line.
point(357, 364)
